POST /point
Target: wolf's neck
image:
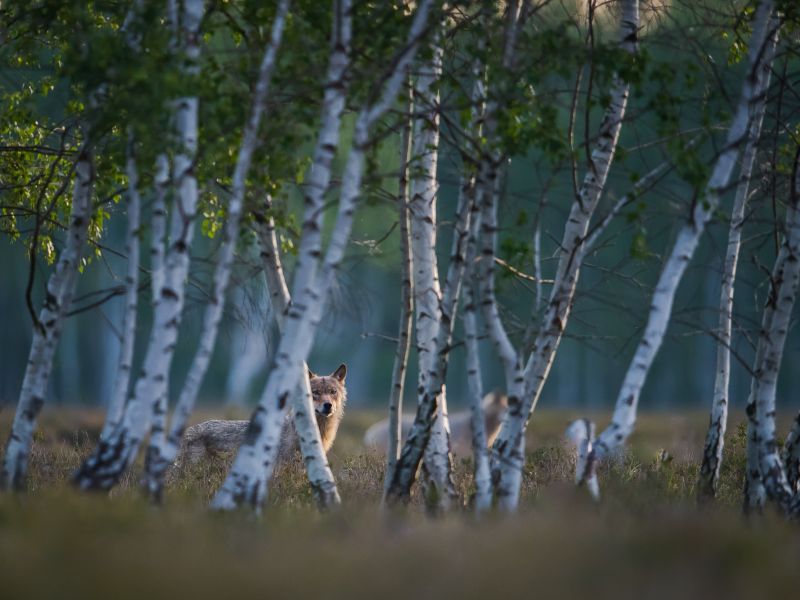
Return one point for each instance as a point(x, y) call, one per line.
point(327, 429)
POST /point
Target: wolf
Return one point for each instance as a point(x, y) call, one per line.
point(494, 405)
point(215, 437)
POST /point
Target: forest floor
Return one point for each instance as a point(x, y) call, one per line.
point(646, 539)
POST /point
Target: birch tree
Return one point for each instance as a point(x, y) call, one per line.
point(46, 332)
point(525, 383)
point(147, 407)
point(715, 437)
point(767, 473)
point(320, 476)
point(406, 307)
point(418, 442)
point(163, 447)
point(482, 473)
point(246, 483)
point(119, 393)
point(440, 492)
point(762, 44)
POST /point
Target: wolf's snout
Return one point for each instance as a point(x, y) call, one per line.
point(327, 408)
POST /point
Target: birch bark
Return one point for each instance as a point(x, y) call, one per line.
point(60, 288)
point(122, 381)
point(508, 450)
point(419, 436)
point(320, 476)
point(718, 419)
point(439, 489)
point(247, 480)
point(147, 407)
point(480, 452)
point(775, 325)
point(406, 307)
point(163, 449)
point(624, 417)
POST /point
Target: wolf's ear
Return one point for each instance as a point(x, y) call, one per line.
point(311, 373)
point(341, 372)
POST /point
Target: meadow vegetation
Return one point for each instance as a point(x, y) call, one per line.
point(647, 538)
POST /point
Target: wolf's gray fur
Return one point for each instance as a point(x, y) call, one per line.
point(215, 437)
point(494, 405)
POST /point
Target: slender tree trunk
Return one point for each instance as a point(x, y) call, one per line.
point(320, 476)
point(508, 450)
point(785, 281)
point(440, 491)
point(60, 288)
point(246, 483)
point(163, 449)
point(624, 417)
point(147, 407)
point(480, 452)
point(122, 382)
point(715, 437)
point(427, 407)
point(406, 308)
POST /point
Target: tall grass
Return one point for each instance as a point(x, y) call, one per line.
point(645, 539)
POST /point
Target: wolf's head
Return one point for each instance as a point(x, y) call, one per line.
point(328, 392)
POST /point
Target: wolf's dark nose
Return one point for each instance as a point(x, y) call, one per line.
point(327, 408)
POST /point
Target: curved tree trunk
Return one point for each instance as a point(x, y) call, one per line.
point(164, 448)
point(508, 450)
point(320, 476)
point(246, 483)
point(785, 281)
point(439, 488)
point(417, 442)
point(624, 417)
point(480, 452)
point(60, 288)
point(406, 308)
point(715, 437)
point(147, 408)
point(122, 381)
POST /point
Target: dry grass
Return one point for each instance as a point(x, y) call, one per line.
point(646, 539)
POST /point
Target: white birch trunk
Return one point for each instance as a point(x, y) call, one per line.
point(158, 224)
point(163, 449)
point(406, 308)
point(718, 419)
point(60, 289)
point(320, 476)
point(480, 452)
point(624, 417)
point(581, 434)
point(246, 483)
point(147, 407)
point(772, 339)
point(418, 441)
point(121, 383)
point(439, 491)
point(508, 450)
point(273, 268)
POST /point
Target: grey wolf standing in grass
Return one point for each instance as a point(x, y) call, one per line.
point(494, 405)
point(214, 437)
